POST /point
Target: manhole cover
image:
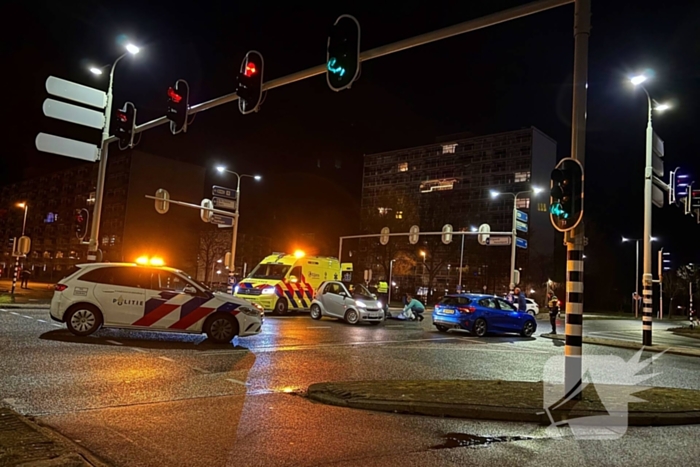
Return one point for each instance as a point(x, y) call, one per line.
point(461, 440)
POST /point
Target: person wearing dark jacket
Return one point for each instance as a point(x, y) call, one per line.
point(519, 300)
point(553, 307)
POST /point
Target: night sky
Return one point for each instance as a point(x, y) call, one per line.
point(502, 78)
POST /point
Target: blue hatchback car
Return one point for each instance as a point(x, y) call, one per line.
point(480, 314)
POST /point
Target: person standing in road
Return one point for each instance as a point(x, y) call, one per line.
point(25, 278)
point(383, 294)
point(553, 307)
point(519, 300)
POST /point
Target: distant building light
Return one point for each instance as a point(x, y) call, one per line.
point(449, 148)
point(403, 166)
point(437, 185)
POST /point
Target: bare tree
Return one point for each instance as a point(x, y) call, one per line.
point(214, 243)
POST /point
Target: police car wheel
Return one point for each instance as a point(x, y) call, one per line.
point(83, 319)
point(315, 312)
point(221, 328)
point(281, 307)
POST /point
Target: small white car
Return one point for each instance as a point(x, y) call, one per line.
point(352, 303)
point(129, 296)
point(532, 307)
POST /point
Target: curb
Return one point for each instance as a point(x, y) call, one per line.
point(21, 306)
point(318, 392)
point(685, 351)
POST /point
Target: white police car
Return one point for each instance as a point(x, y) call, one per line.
point(130, 296)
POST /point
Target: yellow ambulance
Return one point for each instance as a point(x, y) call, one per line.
point(283, 282)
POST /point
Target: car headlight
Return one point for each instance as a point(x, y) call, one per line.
point(260, 309)
point(360, 303)
point(380, 304)
point(246, 310)
point(235, 289)
point(268, 290)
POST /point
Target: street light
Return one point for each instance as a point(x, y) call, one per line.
point(104, 150)
point(514, 233)
point(25, 206)
point(222, 169)
point(647, 278)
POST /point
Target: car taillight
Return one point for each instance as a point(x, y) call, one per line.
point(467, 310)
point(60, 287)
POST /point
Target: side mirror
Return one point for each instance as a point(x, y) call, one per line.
point(343, 294)
point(189, 290)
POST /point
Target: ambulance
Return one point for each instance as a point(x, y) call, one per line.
point(283, 282)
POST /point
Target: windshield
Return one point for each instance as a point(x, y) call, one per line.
point(269, 271)
point(190, 278)
point(360, 291)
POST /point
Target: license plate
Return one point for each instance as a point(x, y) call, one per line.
point(448, 312)
point(374, 316)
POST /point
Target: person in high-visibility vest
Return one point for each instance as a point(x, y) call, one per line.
point(383, 294)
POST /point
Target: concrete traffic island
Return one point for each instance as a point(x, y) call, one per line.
point(516, 401)
point(620, 344)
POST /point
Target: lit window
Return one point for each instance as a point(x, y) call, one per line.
point(91, 199)
point(542, 207)
point(383, 211)
point(449, 148)
point(403, 166)
point(399, 214)
point(50, 218)
point(522, 176)
point(105, 240)
point(59, 254)
point(437, 185)
point(523, 203)
point(112, 240)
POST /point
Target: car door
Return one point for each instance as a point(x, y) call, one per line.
point(511, 318)
point(488, 309)
point(168, 304)
point(121, 293)
point(333, 301)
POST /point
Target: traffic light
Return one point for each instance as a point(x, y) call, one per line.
point(126, 121)
point(566, 196)
point(80, 223)
point(249, 82)
point(343, 53)
point(178, 105)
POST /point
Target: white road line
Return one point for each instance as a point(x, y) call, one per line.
point(28, 317)
point(137, 350)
point(14, 313)
point(243, 383)
point(200, 370)
point(115, 342)
point(167, 359)
point(41, 320)
point(318, 327)
point(56, 324)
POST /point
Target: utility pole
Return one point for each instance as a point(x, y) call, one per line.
point(575, 238)
point(647, 278)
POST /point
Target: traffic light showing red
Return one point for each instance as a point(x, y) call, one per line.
point(178, 106)
point(175, 97)
point(249, 83)
point(250, 69)
point(125, 123)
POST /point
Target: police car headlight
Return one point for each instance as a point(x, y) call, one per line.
point(260, 309)
point(360, 303)
point(246, 310)
point(268, 291)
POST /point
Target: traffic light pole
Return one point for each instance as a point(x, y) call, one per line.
point(575, 238)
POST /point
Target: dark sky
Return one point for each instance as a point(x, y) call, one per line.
point(502, 78)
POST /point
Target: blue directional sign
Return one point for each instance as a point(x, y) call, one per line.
point(519, 215)
point(521, 226)
point(521, 242)
point(223, 192)
point(221, 220)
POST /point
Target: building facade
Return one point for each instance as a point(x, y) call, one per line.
point(450, 182)
point(130, 226)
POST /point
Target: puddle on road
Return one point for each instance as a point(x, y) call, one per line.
point(465, 440)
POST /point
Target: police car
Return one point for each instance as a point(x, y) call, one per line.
point(131, 296)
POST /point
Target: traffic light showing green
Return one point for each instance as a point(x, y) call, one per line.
point(566, 196)
point(343, 53)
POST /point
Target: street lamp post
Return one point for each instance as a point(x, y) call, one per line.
point(232, 267)
point(647, 278)
point(514, 232)
point(104, 150)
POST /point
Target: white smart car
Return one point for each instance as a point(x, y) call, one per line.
point(352, 303)
point(125, 295)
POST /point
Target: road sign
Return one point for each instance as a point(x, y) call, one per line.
point(206, 215)
point(521, 242)
point(162, 205)
point(224, 203)
point(74, 114)
point(384, 239)
point(66, 147)
point(413, 238)
point(223, 192)
point(521, 226)
point(521, 216)
point(76, 92)
point(498, 241)
point(483, 236)
point(221, 220)
point(447, 234)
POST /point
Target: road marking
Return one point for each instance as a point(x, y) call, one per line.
point(41, 320)
point(167, 359)
point(137, 350)
point(14, 313)
point(28, 317)
point(200, 370)
point(243, 383)
point(115, 342)
point(56, 324)
point(318, 327)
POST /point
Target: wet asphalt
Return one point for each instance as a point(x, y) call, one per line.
point(147, 399)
